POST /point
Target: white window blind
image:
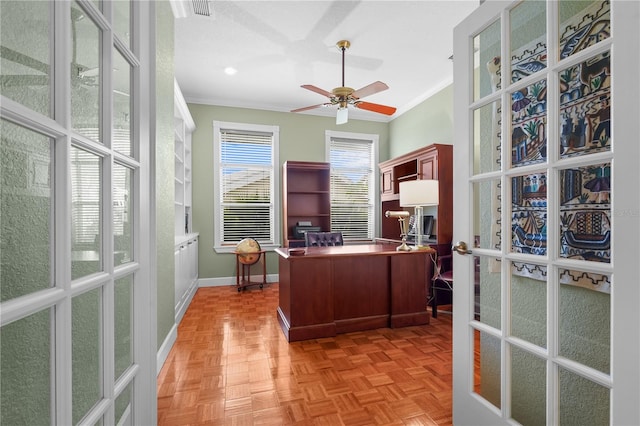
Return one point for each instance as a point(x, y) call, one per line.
point(352, 187)
point(246, 197)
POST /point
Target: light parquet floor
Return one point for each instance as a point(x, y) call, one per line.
point(231, 365)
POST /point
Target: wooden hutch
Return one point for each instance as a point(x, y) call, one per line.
point(431, 162)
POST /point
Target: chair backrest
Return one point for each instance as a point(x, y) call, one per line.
point(320, 239)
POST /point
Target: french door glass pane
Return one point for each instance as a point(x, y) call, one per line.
point(486, 366)
point(582, 402)
point(86, 344)
point(528, 387)
point(85, 74)
point(123, 406)
point(25, 61)
point(486, 138)
point(582, 24)
point(123, 311)
point(122, 20)
point(585, 112)
point(529, 124)
point(585, 318)
point(26, 187)
point(25, 370)
point(487, 291)
point(585, 213)
point(122, 214)
point(86, 202)
point(529, 214)
point(529, 302)
point(486, 225)
point(121, 104)
point(487, 61)
point(528, 26)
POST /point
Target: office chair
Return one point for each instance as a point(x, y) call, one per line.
point(442, 280)
point(321, 239)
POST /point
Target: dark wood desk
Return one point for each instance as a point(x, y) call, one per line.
point(331, 290)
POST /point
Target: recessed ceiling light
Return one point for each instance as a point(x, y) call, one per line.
point(230, 70)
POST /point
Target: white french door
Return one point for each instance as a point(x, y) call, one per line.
point(546, 318)
point(74, 209)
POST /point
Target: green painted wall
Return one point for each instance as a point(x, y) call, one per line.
point(165, 170)
point(427, 123)
point(302, 138)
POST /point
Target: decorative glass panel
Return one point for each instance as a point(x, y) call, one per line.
point(123, 406)
point(529, 302)
point(122, 214)
point(85, 74)
point(486, 138)
point(25, 370)
point(487, 290)
point(529, 214)
point(86, 334)
point(121, 104)
point(487, 61)
point(122, 20)
point(585, 213)
point(529, 124)
point(26, 186)
point(486, 375)
point(582, 24)
point(585, 107)
point(528, 387)
point(582, 402)
point(86, 203)
point(25, 54)
point(528, 28)
point(585, 318)
point(486, 225)
point(123, 306)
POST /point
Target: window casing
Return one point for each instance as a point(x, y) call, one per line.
point(245, 191)
point(353, 158)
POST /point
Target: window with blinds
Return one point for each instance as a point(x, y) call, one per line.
point(246, 183)
point(352, 187)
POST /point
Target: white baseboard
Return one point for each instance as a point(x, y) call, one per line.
point(164, 350)
point(186, 301)
point(223, 281)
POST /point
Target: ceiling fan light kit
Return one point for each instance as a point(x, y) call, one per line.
point(344, 96)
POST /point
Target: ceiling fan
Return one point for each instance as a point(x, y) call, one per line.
point(344, 96)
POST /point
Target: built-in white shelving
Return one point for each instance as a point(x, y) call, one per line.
point(186, 241)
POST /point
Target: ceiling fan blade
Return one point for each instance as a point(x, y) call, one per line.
point(317, 90)
point(381, 109)
point(309, 107)
point(24, 80)
point(372, 88)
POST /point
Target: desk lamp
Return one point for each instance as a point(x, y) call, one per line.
point(417, 194)
point(402, 216)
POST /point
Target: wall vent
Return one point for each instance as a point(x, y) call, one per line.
point(202, 7)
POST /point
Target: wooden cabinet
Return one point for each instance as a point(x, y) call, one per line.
point(305, 197)
point(431, 162)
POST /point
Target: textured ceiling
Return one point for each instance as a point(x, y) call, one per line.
point(276, 46)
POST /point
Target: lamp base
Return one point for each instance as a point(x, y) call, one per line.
point(403, 247)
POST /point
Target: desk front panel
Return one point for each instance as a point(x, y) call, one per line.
point(338, 290)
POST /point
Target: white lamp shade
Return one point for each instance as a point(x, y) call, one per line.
point(419, 193)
